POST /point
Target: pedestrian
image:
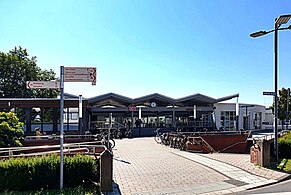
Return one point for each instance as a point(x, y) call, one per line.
point(37, 133)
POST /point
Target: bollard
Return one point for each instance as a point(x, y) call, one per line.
point(260, 153)
point(106, 171)
point(265, 156)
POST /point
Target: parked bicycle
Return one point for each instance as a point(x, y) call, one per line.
point(159, 136)
point(104, 140)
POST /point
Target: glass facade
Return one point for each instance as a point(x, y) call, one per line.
point(227, 120)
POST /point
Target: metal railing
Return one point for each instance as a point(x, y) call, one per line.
point(269, 136)
point(209, 146)
point(232, 145)
point(70, 148)
point(49, 137)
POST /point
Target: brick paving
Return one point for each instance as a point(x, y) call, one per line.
point(141, 166)
point(243, 161)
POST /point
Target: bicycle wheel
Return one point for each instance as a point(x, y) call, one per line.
point(112, 143)
point(158, 139)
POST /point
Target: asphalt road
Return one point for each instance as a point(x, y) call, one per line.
point(283, 188)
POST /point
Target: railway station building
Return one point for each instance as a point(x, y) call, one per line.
point(195, 112)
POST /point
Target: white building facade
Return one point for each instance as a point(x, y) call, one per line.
point(251, 117)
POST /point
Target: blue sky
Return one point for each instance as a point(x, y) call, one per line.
point(175, 48)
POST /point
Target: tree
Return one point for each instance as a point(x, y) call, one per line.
point(16, 68)
point(282, 105)
point(10, 130)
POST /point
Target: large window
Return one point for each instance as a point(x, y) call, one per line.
point(227, 120)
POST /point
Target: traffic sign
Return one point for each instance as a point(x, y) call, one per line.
point(269, 93)
point(42, 84)
point(132, 108)
point(80, 74)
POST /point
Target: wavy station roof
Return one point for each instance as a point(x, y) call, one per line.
point(116, 100)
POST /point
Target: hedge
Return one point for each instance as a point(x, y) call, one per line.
point(33, 173)
point(284, 144)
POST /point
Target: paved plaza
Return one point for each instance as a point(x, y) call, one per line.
point(141, 166)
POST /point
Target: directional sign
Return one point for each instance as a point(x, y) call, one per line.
point(79, 70)
point(79, 78)
point(269, 93)
point(80, 74)
point(42, 84)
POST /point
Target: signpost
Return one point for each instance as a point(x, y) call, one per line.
point(269, 93)
point(68, 74)
point(71, 74)
point(42, 84)
point(80, 74)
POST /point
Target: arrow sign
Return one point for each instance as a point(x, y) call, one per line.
point(269, 93)
point(79, 78)
point(80, 74)
point(42, 84)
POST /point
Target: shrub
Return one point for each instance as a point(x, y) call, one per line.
point(284, 143)
point(43, 172)
point(10, 130)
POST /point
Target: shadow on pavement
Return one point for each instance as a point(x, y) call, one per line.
point(122, 161)
point(115, 190)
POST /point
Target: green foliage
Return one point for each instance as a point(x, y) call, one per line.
point(282, 104)
point(284, 144)
point(37, 173)
point(16, 68)
point(285, 165)
point(10, 130)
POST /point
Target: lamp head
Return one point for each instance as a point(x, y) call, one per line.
point(258, 34)
point(282, 19)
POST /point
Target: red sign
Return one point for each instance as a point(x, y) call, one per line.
point(131, 108)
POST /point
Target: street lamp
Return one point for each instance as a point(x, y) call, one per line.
point(278, 22)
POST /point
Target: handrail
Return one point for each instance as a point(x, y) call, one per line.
point(69, 147)
point(212, 149)
point(33, 137)
point(68, 150)
point(203, 140)
point(230, 146)
point(48, 146)
point(283, 132)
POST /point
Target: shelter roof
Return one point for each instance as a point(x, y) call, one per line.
point(159, 99)
point(110, 99)
point(116, 100)
point(113, 99)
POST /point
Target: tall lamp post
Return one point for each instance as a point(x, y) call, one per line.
point(283, 19)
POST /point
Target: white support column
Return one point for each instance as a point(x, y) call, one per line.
point(237, 114)
point(139, 113)
point(195, 116)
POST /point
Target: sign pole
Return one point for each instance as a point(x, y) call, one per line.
point(62, 129)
